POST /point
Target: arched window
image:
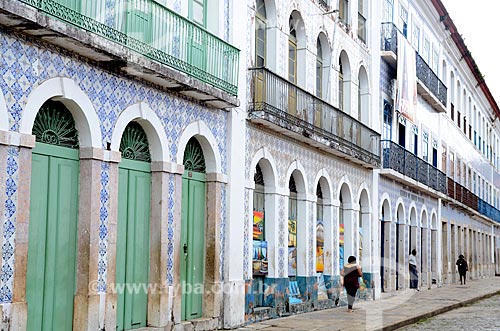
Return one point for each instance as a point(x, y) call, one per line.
point(292, 53)
point(341, 86)
point(319, 70)
point(260, 34)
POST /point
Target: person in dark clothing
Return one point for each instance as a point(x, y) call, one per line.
point(349, 279)
point(462, 268)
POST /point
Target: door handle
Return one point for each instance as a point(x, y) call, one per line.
point(185, 248)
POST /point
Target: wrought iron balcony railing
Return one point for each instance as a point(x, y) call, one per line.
point(389, 43)
point(389, 40)
point(466, 197)
point(324, 4)
point(397, 158)
point(155, 32)
point(431, 80)
point(290, 107)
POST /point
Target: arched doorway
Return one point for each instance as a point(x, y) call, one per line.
point(52, 245)
point(193, 230)
point(401, 251)
point(132, 244)
point(259, 259)
point(385, 246)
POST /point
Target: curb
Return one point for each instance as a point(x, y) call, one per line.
point(436, 312)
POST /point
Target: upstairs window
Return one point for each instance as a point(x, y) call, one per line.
point(344, 11)
point(319, 70)
point(260, 34)
point(361, 20)
point(404, 21)
point(197, 12)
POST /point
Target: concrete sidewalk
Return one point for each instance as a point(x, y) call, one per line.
point(388, 313)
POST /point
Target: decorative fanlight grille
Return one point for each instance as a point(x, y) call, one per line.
point(291, 185)
point(319, 193)
point(258, 177)
point(54, 125)
point(193, 157)
point(134, 144)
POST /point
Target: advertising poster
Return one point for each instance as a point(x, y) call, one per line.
point(259, 263)
point(258, 225)
point(320, 243)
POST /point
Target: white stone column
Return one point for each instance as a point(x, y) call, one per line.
point(234, 284)
point(304, 218)
point(351, 224)
point(330, 228)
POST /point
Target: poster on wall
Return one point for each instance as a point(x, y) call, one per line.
point(259, 263)
point(292, 261)
point(360, 245)
point(258, 225)
point(341, 245)
point(320, 243)
point(292, 233)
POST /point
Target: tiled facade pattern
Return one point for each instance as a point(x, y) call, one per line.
point(103, 228)
point(26, 63)
point(9, 224)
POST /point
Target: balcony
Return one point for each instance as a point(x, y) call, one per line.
point(176, 49)
point(397, 158)
point(466, 198)
point(285, 108)
point(324, 4)
point(389, 43)
point(430, 86)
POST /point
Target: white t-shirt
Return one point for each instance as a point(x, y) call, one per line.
point(412, 260)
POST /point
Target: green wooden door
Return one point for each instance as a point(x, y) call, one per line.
point(198, 43)
point(50, 280)
point(192, 243)
point(132, 251)
point(139, 20)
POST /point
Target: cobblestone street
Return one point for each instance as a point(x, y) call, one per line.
point(482, 315)
point(478, 305)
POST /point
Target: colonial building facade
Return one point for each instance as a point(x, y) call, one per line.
point(171, 165)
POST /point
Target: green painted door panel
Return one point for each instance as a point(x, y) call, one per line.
point(139, 20)
point(132, 264)
point(193, 243)
point(51, 275)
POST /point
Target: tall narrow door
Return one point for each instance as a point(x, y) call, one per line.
point(192, 243)
point(198, 43)
point(50, 280)
point(132, 251)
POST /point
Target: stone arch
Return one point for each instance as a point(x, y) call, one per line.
point(364, 198)
point(385, 204)
point(297, 22)
point(208, 144)
point(146, 117)
point(412, 211)
point(363, 96)
point(4, 116)
point(269, 167)
point(344, 79)
point(400, 212)
point(424, 217)
point(78, 103)
point(434, 224)
point(300, 181)
point(325, 47)
point(324, 179)
point(345, 183)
